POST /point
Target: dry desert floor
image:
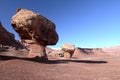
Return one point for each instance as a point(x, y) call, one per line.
point(84, 68)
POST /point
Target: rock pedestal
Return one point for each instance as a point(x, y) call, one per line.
point(37, 51)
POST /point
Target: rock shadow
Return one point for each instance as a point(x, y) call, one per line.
point(36, 59)
point(76, 61)
point(40, 60)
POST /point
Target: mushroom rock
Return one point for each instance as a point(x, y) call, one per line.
point(35, 30)
point(69, 49)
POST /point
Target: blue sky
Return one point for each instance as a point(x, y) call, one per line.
point(84, 23)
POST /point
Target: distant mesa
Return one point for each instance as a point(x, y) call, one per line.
point(84, 52)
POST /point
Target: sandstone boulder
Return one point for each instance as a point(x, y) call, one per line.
point(36, 30)
point(68, 48)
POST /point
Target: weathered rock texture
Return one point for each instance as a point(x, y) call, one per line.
point(36, 30)
point(80, 52)
point(7, 39)
point(69, 50)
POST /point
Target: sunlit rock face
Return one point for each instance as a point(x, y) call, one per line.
point(35, 30)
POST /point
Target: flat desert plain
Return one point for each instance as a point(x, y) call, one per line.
point(85, 68)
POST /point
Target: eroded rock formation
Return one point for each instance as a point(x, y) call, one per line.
point(68, 49)
point(8, 39)
point(35, 30)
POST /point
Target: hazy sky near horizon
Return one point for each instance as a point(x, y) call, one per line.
point(84, 23)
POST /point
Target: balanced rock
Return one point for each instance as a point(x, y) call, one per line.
point(68, 48)
point(35, 30)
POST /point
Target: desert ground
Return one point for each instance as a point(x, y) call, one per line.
point(89, 67)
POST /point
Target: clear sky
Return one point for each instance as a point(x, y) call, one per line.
point(84, 23)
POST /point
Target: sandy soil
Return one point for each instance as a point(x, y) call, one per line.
point(89, 68)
